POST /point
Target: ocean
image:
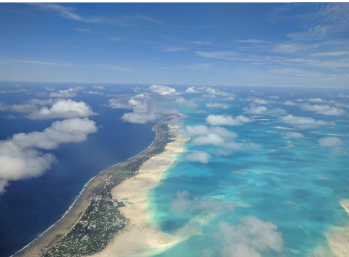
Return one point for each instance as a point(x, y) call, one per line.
point(275, 192)
point(292, 183)
point(30, 206)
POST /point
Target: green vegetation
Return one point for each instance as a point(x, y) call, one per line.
point(102, 219)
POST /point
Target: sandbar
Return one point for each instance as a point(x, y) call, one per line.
point(56, 232)
point(338, 239)
point(142, 237)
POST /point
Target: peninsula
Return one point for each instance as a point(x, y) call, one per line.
point(95, 218)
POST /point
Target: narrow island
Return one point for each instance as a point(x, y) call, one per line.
point(95, 218)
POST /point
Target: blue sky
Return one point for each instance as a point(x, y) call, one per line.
point(297, 44)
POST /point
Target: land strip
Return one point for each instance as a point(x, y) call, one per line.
point(85, 205)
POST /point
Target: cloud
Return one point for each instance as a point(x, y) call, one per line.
point(264, 110)
point(174, 49)
point(224, 55)
point(323, 109)
point(162, 90)
point(330, 141)
point(183, 203)
point(217, 105)
point(63, 109)
point(250, 237)
point(196, 130)
point(198, 156)
point(191, 90)
point(60, 108)
point(119, 103)
point(217, 92)
point(209, 139)
point(86, 30)
point(98, 87)
point(17, 163)
point(317, 100)
point(227, 120)
point(19, 155)
point(140, 118)
point(256, 100)
point(223, 132)
point(66, 12)
point(138, 102)
point(235, 146)
point(294, 135)
point(332, 53)
point(305, 122)
point(23, 108)
point(66, 131)
point(289, 103)
point(200, 130)
point(333, 143)
point(143, 109)
point(67, 93)
point(185, 102)
point(94, 93)
point(217, 136)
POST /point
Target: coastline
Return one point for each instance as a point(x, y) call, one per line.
point(141, 236)
point(337, 239)
point(60, 228)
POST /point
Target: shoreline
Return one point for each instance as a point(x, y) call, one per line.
point(141, 236)
point(61, 227)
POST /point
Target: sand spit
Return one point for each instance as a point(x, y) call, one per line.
point(57, 231)
point(142, 237)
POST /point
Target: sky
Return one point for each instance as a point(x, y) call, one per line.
point(238, 44)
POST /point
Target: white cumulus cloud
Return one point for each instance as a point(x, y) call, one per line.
point(20, 157)
point(288, 102)
point(305, 122)
point(98, 87)
point(191, 90)
point(330, 141)
point(65, 131)
point(185, 102)
point(144, 109)
point(227, 120)
point(67, 93)
point(163, 90)
point(204, 130)
point(264, 110)
point(184, 203)
point(250, 237)
point(63, 109)
point(323, 109)
point(209, 139)
point(140, 118)
point(198, 156)
point(217, 105)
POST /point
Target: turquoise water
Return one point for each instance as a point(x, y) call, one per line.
point(277, 199)
point(294, 184)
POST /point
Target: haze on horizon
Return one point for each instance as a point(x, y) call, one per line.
point(245, 44)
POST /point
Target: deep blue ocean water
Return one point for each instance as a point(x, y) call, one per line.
point(30, 206)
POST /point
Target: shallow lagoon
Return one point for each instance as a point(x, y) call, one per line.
point(292, 183)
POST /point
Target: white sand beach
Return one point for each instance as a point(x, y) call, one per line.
point(338, 240)
point(141, 236)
